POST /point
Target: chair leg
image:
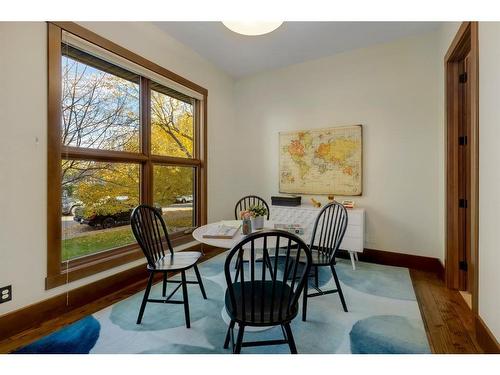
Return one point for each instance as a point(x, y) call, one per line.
point(239, 340)
point(341, 295)
point(145, 298)
point(164, 290)
point(316, 276)
point(185, 298)
point(200, 282)
point(289, 337)
point(228, 334)
point(304, 302)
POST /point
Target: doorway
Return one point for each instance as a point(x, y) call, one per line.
point(461, 71)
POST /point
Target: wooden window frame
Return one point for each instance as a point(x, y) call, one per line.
point(59, 273)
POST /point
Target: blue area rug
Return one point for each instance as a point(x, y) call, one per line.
point(383, 318)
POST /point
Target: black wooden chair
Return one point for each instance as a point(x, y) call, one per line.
point(248, 201)
point(261, 296)
point(328, 232)
point(151, 233)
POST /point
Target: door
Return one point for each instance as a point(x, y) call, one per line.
point(462, 161)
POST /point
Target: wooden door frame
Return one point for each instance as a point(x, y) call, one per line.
point(466, 39)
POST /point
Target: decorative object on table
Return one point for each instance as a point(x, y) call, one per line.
point(348, 203)
point(331, 198)
point(315, 203)
point(291, 201)
point(258, 213)
point(292, 228)
point(321, 161)
point(225, 230)
point(247, 223)
point(244, 204)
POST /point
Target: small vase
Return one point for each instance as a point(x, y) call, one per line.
point(247, 226)
point(258, 222)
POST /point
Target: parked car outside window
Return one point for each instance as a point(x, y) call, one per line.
point(184, 198)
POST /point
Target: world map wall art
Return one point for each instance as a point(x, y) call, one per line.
point(322, 161)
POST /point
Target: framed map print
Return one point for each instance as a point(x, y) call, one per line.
point(321, 161)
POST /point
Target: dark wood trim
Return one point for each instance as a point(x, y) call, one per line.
point(101, 155)
point(455, 49)
point(58, 273)
point(54, 209)
point(203, 210)
point(465, 42)
point(172, 160)
point(485, 337)
point(98, 40)
point(390, 258)
point(474, 170)
point(33, 315)
point(147, 167)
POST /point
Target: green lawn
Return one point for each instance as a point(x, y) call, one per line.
point(95, 242)
point(101, 240)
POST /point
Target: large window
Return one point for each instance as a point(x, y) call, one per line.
point(122, 131)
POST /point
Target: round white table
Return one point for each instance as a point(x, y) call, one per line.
point(228, 243)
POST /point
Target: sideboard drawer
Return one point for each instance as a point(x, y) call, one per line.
point(355, 231)
point(354, 217)
point(306, 216)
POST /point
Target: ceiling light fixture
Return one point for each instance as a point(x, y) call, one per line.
point(252, 28)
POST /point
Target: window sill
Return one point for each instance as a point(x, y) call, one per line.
point(80, 268)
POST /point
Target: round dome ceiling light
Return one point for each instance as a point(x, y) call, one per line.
point(252, 28)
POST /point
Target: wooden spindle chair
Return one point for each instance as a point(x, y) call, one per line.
point(327, 235)
point(261, 296)
point(151, 233)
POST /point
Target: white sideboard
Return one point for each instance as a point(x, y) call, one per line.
point(305, 215)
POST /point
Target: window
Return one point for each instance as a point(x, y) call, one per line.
point(122, 131)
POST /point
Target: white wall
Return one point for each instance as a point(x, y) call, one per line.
point(390, 89)
point(489, 175)
point(23, 142)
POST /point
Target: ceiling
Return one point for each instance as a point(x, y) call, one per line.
point(291, 43)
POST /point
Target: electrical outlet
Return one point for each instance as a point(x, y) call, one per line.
point(5, 293)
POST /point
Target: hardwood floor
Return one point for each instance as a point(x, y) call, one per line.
point(448, 320)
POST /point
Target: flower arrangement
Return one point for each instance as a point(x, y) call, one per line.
point(245, 215)
point(256, 213)
point(258, 210)
point(253, 211)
